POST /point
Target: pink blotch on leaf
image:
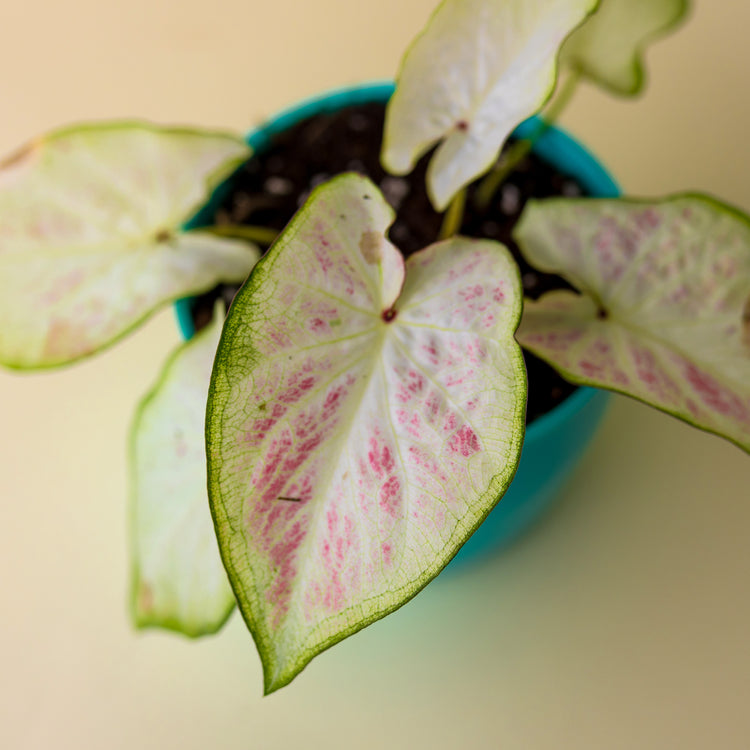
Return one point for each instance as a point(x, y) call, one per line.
point(423, 460)
point(450, 422)
point(555, 340)
point(386, 550)
point(415, 427)
point(464, 441)
point(471, 293)
point(648, 219)
point(715, 396)
point(63, 286)
point(416, 382)
point(432, 353)
point(390, 496)
point(316, 325)
point(298, 387)
point(433, 407)
point(645, 366)
point(261, 426)
point(67, 339)
point(380, 458)
point(589, 369)
point(282, 557)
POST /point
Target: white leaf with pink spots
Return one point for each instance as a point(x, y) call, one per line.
point(178, 579)
point(91, 240)
point(478, 69)
point(358, 432)
point(665, 310)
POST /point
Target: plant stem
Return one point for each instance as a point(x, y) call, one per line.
point(260, 235)
point(514, 155)
point(561, 101)
point(453, 216)
point(521, 149)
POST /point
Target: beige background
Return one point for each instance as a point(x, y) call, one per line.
point(621, 621)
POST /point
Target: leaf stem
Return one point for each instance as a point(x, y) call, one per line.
point(454, 216)
point(518, 151)
point(260, 235)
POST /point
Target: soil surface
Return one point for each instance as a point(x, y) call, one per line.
point(271, 186)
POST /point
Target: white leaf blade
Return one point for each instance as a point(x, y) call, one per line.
point(90, 239)
point(348, 462)
point(179, 582)
point(479, 68)
point(608, 48)
point(664, 316)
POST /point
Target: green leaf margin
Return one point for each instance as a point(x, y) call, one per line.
point(497, 488)
point(141, 622)
point(637, 67)
point(211, 183)
point(731, 210)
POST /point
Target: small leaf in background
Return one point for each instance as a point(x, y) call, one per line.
point(178, 579)
point(608, 47)
point(358, 432)
point(90, 240)
point(665, 310)
point(478, 69)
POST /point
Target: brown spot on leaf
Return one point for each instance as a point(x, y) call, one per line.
point(746, 324)
point(19, 162)
point(17, 157)
point(370, 245)
point(145, 598)
point(163, 235)
point(462, 125)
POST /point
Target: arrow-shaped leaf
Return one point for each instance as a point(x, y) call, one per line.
point(665, 310)
point(178, 579)
point(478, 69)
point(608, 47)
point(358, 432)
point(90, 240)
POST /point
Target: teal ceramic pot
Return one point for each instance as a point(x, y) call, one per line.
point(554, 443)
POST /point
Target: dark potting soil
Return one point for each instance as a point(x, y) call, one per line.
point(271, 186)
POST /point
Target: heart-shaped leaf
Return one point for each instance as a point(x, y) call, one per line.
point(90, 240)
point(178, 579)
point(608, 47)
point(477, 70)
point(665, 310)
point(358, 432)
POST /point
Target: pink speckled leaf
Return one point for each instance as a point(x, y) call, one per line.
point(91, 240)
point(358, 432)
point(178, 579)
point(665, 310)
point(477, 70)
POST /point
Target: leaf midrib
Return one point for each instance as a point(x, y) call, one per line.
point(373, 354)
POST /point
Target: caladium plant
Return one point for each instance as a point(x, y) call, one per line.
point(366, 412)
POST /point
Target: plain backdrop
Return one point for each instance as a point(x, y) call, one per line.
point(620, 621)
